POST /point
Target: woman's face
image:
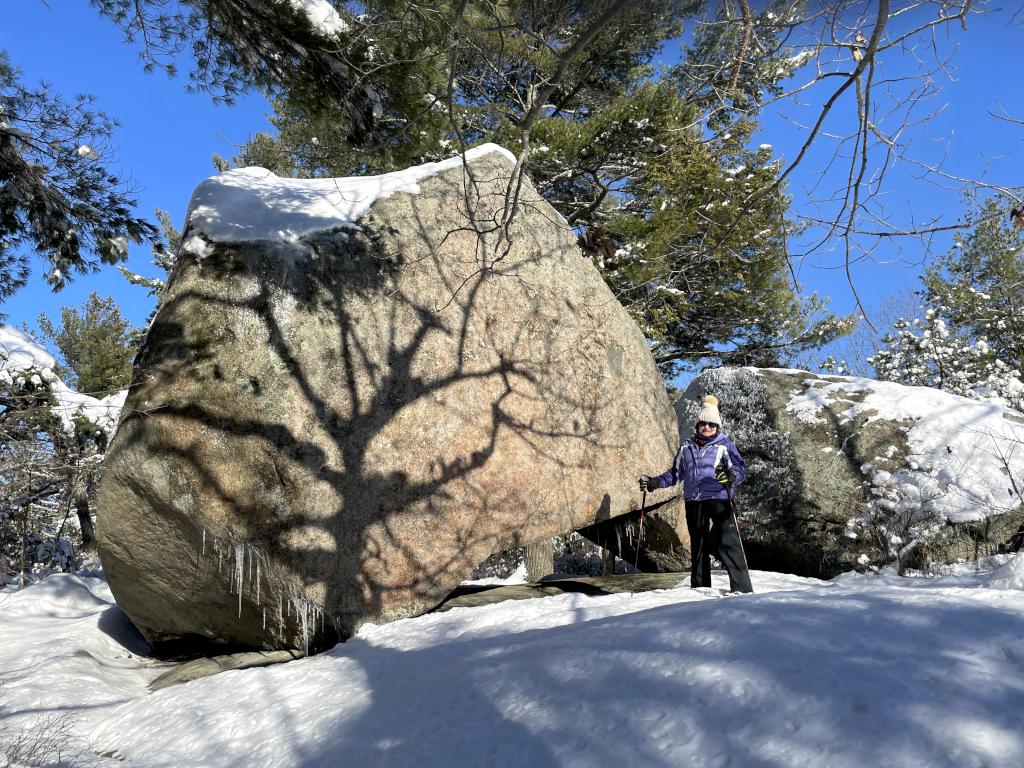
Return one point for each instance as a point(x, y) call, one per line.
point(706, 428)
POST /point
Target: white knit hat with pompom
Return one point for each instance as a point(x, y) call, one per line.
point(709, 411)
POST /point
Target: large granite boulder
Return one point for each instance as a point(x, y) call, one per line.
point(355, 391)
point(847, 472)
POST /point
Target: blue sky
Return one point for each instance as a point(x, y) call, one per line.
point(167, 137)
point(165, 141)
point(959, 135)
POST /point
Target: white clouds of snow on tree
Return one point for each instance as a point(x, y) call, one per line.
point(22, 361)
point(322, 16)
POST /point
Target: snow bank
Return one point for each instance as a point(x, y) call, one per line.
point(964, 454)
point(68, 633)
point(518, 576)
point(18, 353)
point(246, 204)
point(1010, 575)
point(104, 412)
point(869, 671)
point(22, 360)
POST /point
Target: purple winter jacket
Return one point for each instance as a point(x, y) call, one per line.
point(695, 467)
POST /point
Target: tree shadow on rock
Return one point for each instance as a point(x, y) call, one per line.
point(321, 416)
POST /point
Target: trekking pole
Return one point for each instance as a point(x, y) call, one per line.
point(736, 522)
point(640, 531)
point(643, 508)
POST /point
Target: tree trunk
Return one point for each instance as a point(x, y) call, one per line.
point(607, 562)
point(85, 523)
point(540, 559)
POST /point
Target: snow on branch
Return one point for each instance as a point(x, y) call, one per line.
point(25, 364)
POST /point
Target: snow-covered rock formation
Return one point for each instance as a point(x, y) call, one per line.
point(354, 392)
point(848, 472)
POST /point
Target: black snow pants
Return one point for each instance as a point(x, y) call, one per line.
point(713, 532)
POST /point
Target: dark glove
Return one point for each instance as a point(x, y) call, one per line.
point(646, 483)
point(723, 475)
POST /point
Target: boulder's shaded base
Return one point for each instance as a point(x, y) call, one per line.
point(664, 545)
point(468, 596)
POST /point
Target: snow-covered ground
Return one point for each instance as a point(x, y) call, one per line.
point(861, 671)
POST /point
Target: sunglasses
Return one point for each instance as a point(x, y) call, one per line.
point(702, 424)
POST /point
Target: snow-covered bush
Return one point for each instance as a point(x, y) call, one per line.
point(927, 353)
point(897, 517)
point(52, 740)
point(767, 452)
point(52, 441)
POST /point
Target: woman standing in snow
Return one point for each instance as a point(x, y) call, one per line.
point(708, 465)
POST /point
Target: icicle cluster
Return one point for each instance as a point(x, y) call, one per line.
point(246, 568)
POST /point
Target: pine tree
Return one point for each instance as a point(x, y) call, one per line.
point(165, 253)
point(30, 500)
point(354, 63)
point(56, 196)
point(374, 86)
point(979, 282)
point(969, 340)
point(471, 72)
point(927, 353)
point(95, 343)
point(695, 251)
point(51, 450)
point(661, 189)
